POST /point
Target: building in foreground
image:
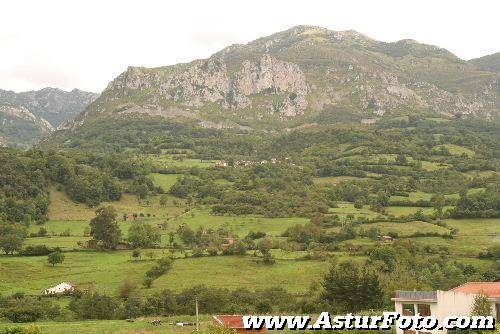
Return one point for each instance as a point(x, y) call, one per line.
point(234, 322)
point(441, 304)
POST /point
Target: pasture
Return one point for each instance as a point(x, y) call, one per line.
point(105, 271)
point(139, 326)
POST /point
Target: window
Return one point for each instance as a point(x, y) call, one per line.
point(408, 309)
point(424, 310)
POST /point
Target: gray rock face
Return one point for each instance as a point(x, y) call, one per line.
point(208, 81)
point(19, 127)
point(13, 113)
point(270, 73)
point(52, 104)
point(202, 82)
point(308, 71)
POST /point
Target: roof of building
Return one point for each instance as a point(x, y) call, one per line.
point(230, 321)
point(490, 289)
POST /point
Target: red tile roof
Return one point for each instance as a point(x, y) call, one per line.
point(230, 321)
point(490, 289)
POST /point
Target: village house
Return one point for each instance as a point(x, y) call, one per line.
point(59, 288)
point(234, 322)
point(385, 238)
point(221, 163)
point(441, 304)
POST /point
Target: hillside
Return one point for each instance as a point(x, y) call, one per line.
point(52, 104)
point(28, 116)
point(18, 126)
point(306, 171)
point(488, 63)
point(306, 75)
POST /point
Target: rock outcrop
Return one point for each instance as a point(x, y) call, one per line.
point(308, 71)
point(52, 104)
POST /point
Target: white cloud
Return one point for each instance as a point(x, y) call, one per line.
point(86, 43)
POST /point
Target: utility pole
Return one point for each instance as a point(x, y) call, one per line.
point(197, 317)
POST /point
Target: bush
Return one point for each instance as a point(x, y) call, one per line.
point(92, 305)
point(28, 309)
point(22, 330)
point(37, 250)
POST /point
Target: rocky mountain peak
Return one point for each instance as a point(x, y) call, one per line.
point(310, 72)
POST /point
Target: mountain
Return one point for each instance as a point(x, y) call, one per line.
point(305, 75)
point(52, 104)
point(488, 63)
point(20, 127)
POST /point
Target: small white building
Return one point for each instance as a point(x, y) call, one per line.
point(441, 304)
point(59, 288)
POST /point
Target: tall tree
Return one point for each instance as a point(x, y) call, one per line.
point(143, 235)
point(349, 287)
point(104, 228)
point(481, 306)
point(438, 202)
point(11, 237)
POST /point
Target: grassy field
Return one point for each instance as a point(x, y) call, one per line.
point(432, 166)
point(100, 269)
point(407, 229)
point(458, 150)
point(239, 225)
point(172, 161)
point(63, 209)
point(139, 326)
point(166, 181)
point(335, 179)
point(345, 208)
point(241, 271)
point(107, 270)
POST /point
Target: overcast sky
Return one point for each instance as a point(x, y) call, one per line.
point(85, 44)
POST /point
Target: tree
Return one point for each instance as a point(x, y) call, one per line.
point(186, 234)
point(481, 305)
point(237, 248)
point(104, 228)
point(386, 254)
point(55, 258)
point(42, 231)
point(11, 243)
point(438, 202)
point(349, 287)
point(143, 235)
point(136, 253)
point(11, 237)
point(358, 203)
point(401, 159)
point(92, 305)
point(265, 246)
point(164, 200)
point(126, 289)
point(171, 238)
point(141, 190)
point(150, 254)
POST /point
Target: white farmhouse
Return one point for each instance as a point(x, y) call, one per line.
point(59, 288)
point(441, 304)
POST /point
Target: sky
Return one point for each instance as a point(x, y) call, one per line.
point(86, 43)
